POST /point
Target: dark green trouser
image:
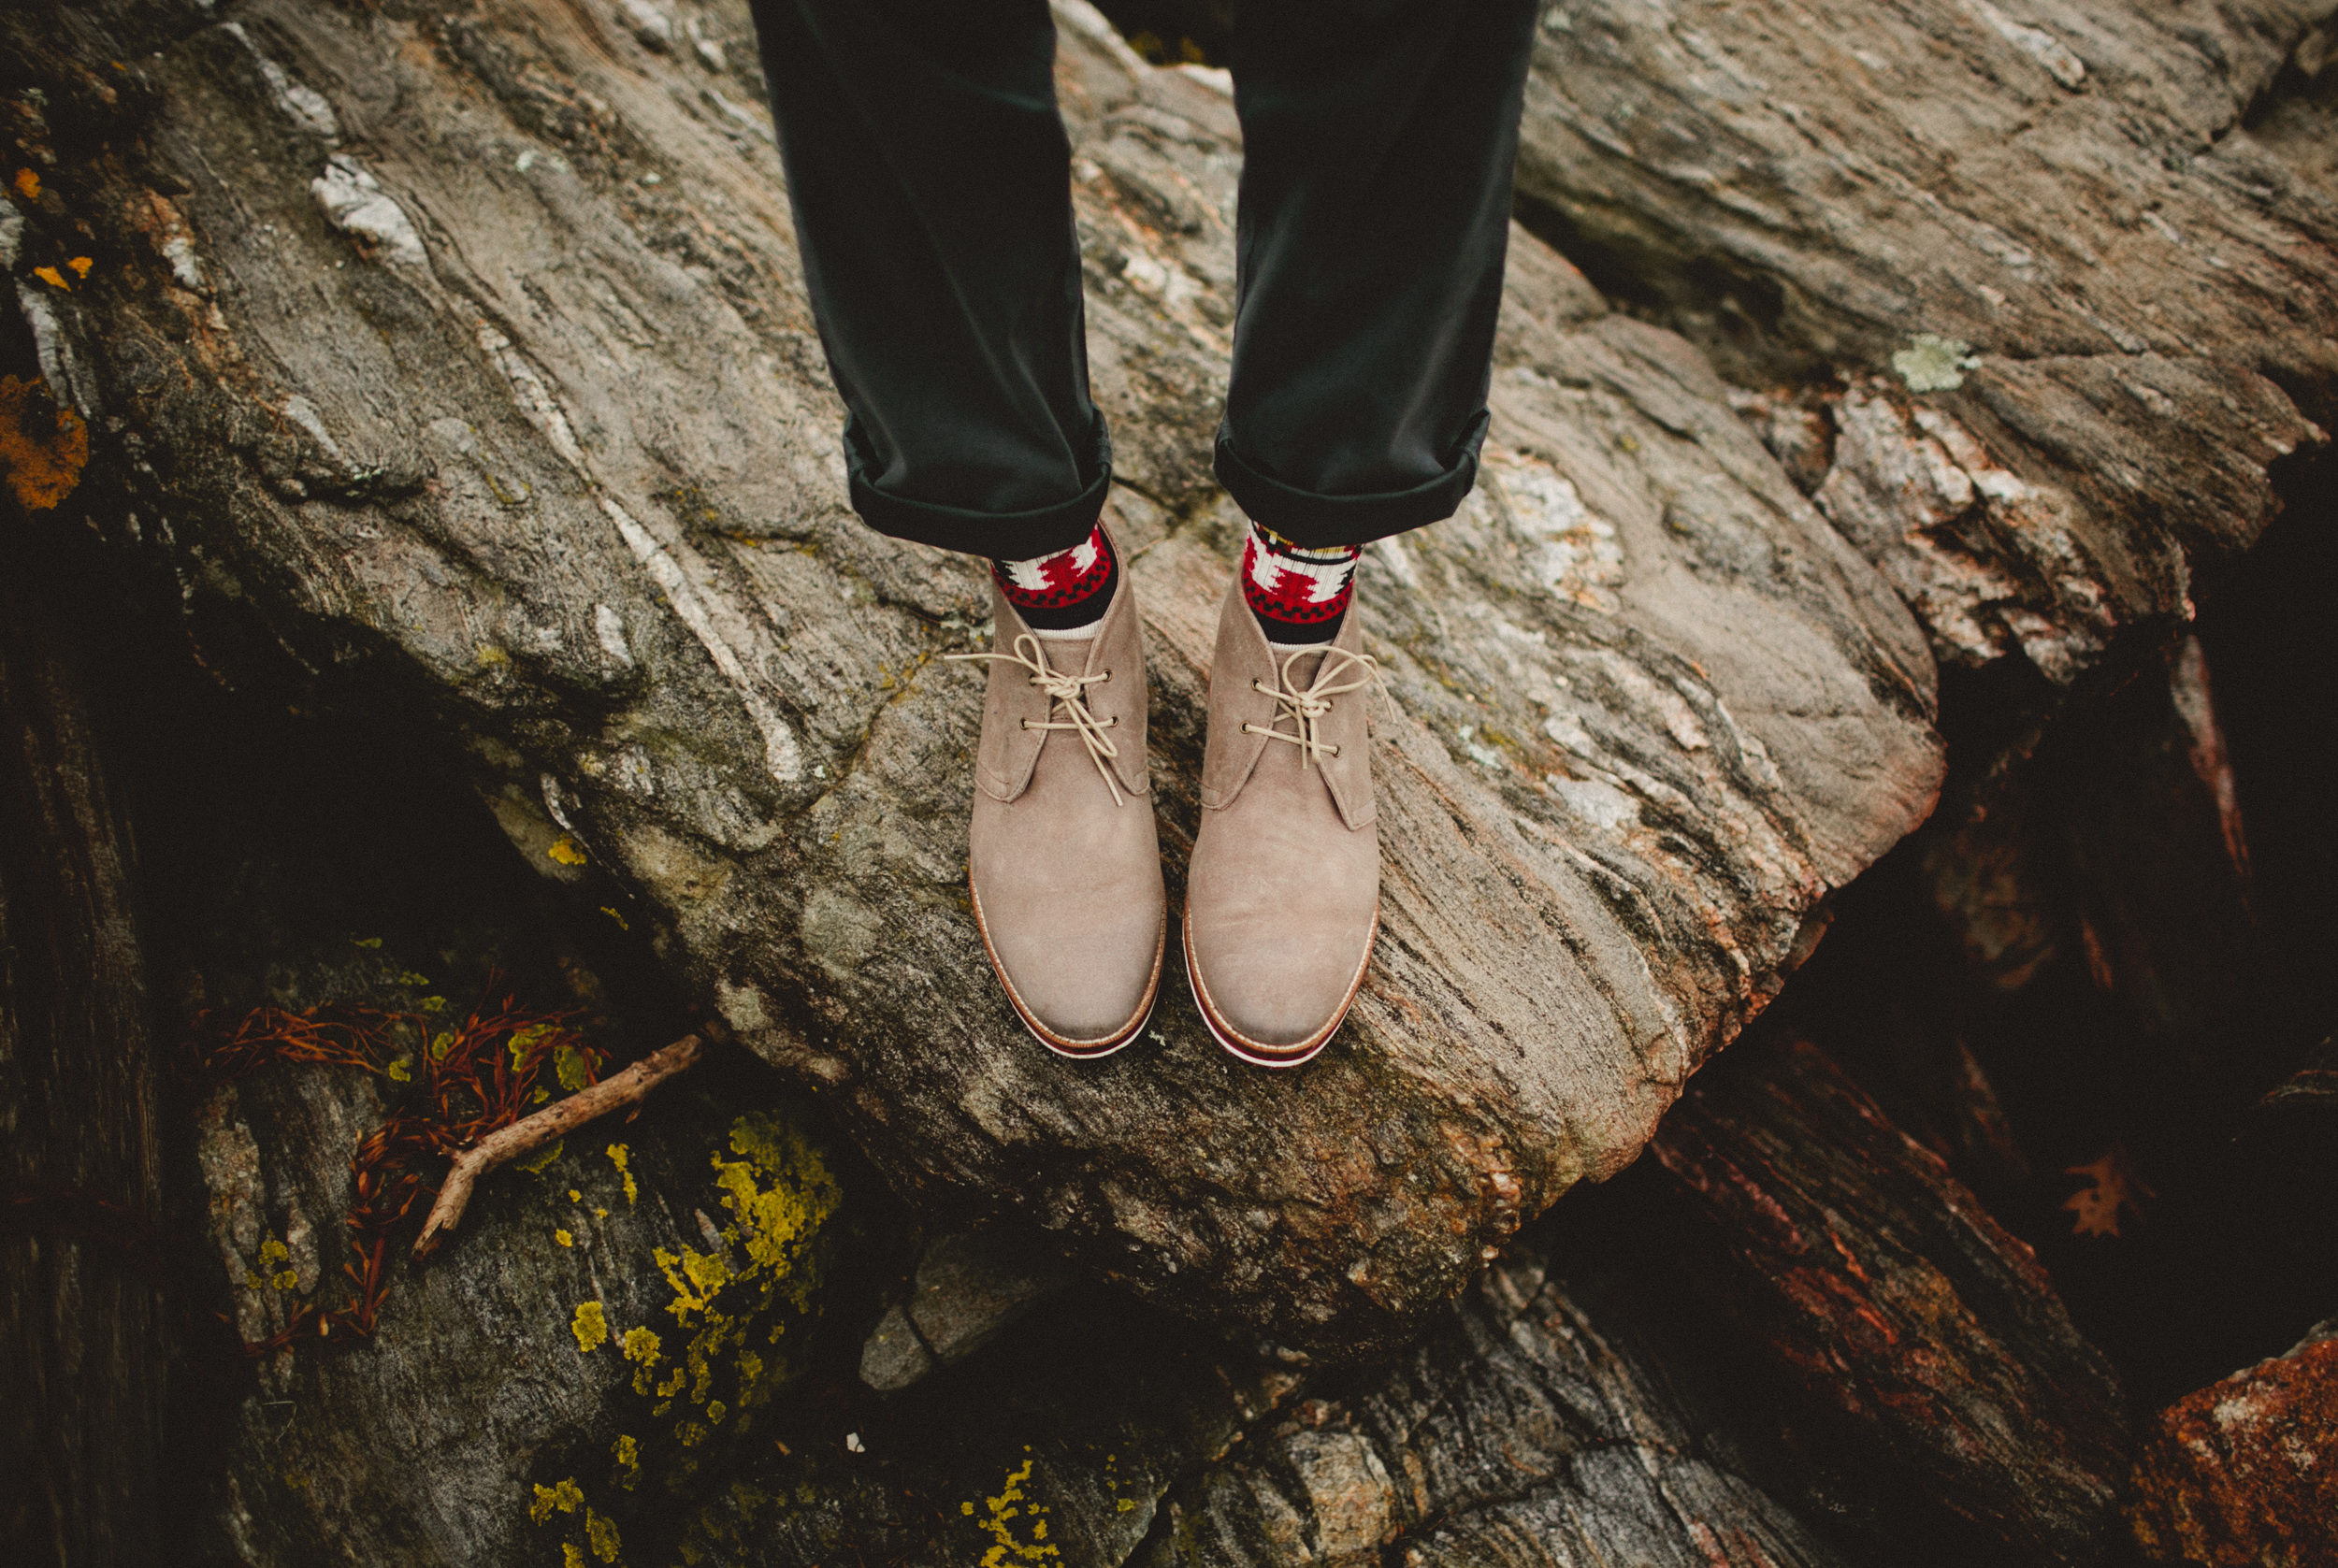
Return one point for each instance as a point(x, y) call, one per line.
point(932, 183)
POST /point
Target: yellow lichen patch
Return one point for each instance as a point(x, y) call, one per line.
point(620, 1157)
point(567, 1063)
point(565, 850)
point(401, 1071)
point(591, 1325)
point(524, 1041)
point(570, 1556)
point(1000, 1525)
point(43, 447)
point(780, 1196)
point(535, 1164)
point(601, 1535)
point(640, 1346)
point(564, 1238)
point(565, 1497)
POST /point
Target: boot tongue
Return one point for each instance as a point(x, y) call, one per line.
point(1299, 667)
point(1067, 655)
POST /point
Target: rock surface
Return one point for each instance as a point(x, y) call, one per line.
point(86, 1337)
point(966, 1291)
point(1925, 1340)
point(2239, 1474)
point(462, 353)
point(1523, 1431)
point(2082, 313)
point(507, 1402)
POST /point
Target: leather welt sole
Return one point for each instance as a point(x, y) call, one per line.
point(1079, 1050)
point(1256, 1053)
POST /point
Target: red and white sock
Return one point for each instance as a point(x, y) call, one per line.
point(1064, 594)
point(1299, 595)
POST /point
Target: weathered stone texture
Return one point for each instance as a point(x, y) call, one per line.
point(2082, 313)
point(2240, 1473)
point(1928, 1338)
point(466, 347)
point(1523, 1431)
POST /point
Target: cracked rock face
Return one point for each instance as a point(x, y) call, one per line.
point(2040, 243)
point(1521, 1432)
point(2239, 1472)
point(570, 481)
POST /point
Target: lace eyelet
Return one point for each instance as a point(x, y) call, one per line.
point(1026, 724)
point(1334, 750)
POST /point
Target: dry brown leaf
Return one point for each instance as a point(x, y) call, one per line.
point(2113, 1185)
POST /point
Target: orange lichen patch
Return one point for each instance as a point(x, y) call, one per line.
point(28, 184)
point(2246, 1471)
point(474, 1078)
point(43, 448)
point(81, 266)
point(51, 277)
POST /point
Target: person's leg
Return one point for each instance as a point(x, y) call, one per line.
point(931, 179)
point(1379, 139)
point(932, 183)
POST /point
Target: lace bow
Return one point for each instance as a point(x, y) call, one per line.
point(1306, 707)
point(1068, 692)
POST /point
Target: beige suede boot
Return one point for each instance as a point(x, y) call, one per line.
point(1285, 893)
point(1062, 860)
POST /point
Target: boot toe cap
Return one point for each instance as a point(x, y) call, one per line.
point(1081, 966)
point(1277, 983)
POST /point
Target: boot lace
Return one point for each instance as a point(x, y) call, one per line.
point(1306, 707)
point(1069, 692)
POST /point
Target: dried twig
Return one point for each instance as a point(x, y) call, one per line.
point(627, 1088)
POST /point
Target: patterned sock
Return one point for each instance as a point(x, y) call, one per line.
point(1298, 594)
point(1064, 594)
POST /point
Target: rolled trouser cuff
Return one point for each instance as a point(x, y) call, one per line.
point(1319, 522)
point(1002, 536)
